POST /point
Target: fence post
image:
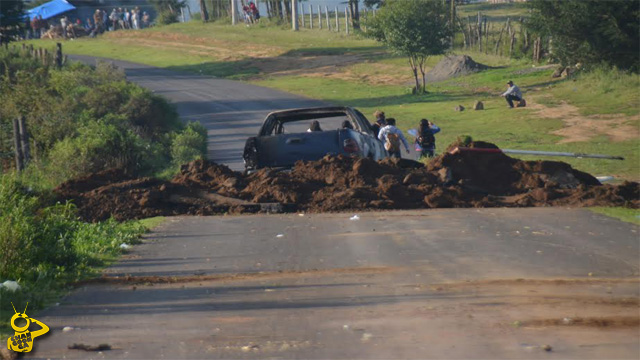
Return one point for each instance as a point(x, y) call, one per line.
point(346, 21)
point(479, 32)
point(326, 15)
point(24, 139)
point(294, 15)
point(58, 59)
point(319, 18)
point(16, 146)
point(337, 20)
point(303, 21)
point(310, 16)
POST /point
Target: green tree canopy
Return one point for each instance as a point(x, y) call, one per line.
point(413, 28)
point(11, 12)
point(590, 32)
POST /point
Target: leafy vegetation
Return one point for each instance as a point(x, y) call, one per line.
point(591, 32)
point(84, 120)
point(168, 10)
point(44, 248)
point(414, 28)
point(11, 12)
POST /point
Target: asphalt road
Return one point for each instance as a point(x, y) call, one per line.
point(475, 283)
point(459, 283)
point(230, 110)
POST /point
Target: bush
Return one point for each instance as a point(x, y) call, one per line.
point(189, 145)
point(43, 248)
point(83, 119)
point(104, 144)
point(166, 17)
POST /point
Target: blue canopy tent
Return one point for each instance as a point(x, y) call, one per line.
point(50, 9)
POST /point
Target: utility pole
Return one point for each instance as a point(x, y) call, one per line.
point(294, 15)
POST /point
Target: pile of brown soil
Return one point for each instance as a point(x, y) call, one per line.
point(338, 183)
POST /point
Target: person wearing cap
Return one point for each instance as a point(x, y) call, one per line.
point(512, 93)
point(380, 122)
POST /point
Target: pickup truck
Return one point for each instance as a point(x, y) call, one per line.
point(285, 137)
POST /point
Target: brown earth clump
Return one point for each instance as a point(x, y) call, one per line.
point(339, 183)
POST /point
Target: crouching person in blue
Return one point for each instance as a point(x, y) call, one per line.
point(512, 93)
point(426, 139)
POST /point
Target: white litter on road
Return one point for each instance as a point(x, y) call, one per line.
point(354, 217)
point(124, 246)
point(280, 235)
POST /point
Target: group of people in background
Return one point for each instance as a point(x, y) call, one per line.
point(386, 131)
point(251, 13)
point(100, 22)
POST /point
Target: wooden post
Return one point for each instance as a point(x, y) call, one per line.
point(479, 32)
point(346, 21)
point(58, 59)
point(471, 37)
point(326, 15)
point(500, 38)
point(513, 40)
point(310, 16)
point(304, 24)
point(319, 18)
point(486, 36)
point(294, 15)
point(17, 147)
point(464, 33)
point(337, 20)
point(24, 139)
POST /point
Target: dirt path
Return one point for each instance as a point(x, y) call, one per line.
point(578, 128)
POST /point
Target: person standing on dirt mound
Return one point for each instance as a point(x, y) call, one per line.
point(513, 93)
point(391, 136)
point(426, 139)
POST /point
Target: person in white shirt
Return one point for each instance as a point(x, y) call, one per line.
point(390, 136)
point(512, 93)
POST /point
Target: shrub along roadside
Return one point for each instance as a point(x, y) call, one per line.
point(83, 119)
point(45, 249)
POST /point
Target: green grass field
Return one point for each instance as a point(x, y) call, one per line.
point(604, 104)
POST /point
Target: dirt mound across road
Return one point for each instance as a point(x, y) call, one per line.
point(338, 183)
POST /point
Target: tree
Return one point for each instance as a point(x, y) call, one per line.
point(590, 32)
point(413, 28)
point(355, 14)
point(203, 11)
point(11, 19)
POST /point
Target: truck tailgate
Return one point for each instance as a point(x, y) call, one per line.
point(284, 150)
